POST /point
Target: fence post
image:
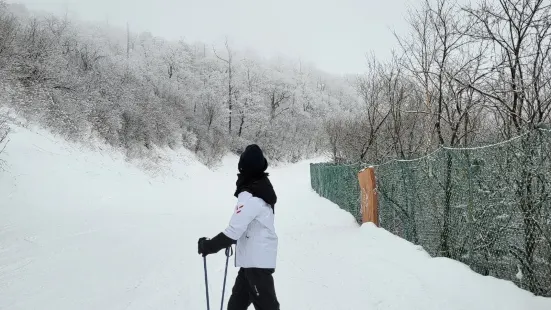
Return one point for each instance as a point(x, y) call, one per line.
point(370, 201)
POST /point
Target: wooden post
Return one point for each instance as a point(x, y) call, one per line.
point(370, 201)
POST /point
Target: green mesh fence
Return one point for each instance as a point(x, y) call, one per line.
point(488, 207)
point(339, 184)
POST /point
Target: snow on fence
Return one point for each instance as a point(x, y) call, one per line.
point(488, 207)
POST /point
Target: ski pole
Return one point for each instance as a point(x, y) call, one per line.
point(229, 252)
point(206, 281)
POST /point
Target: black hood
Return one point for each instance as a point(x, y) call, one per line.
point(252, 176)
point(252, 161)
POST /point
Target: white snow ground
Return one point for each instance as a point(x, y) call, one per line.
point(82, 229)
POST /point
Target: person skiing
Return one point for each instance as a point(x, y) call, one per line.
point(252, 229)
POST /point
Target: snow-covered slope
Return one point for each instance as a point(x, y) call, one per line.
point(82, 229)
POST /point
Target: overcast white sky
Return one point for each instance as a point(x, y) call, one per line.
point(333, 34)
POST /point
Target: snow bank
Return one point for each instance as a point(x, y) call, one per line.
point(80, 228)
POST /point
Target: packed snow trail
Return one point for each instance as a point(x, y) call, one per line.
point(82, 229)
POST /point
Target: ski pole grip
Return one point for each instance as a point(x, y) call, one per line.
point(229, 251)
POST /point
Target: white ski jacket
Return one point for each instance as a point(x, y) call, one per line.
point(252, 225)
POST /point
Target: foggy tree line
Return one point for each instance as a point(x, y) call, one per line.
point(138, 91)
point(463, 76)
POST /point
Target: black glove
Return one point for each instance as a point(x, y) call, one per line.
point(221, 241)
point(201, 246)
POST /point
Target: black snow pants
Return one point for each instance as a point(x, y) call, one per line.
point(254, 286)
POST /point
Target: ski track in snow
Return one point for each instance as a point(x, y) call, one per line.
point(82, 229)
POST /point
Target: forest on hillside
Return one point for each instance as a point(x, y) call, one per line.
point(138, 92)
point(463, 76)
